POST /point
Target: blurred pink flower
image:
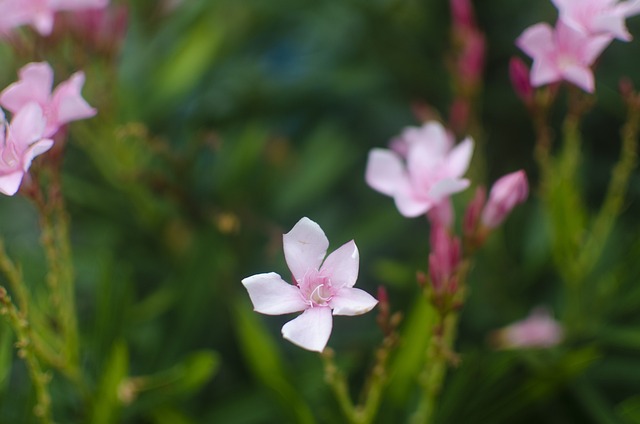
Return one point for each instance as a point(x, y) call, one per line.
point(598, 17)
point(473, 212)
point(102, 29)
point(20, 142)
point(64, 105)
point(319, 289)
point(520, 80)
point(39, 13)
point(562, 53)
point(506, 193)
point(430, 172)
point(538, 330)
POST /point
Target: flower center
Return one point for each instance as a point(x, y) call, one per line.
point(316, 289)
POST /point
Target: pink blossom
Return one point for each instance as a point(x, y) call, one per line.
point(321, 287)
point(101, 29)
point(520, 80)
point(430, 172)
point(64, 105)
point(598, 17)
point(39, 13)
point(506, 193)
point(20, 142)
point(473, 212)
point(538, 330)
point(562, 53)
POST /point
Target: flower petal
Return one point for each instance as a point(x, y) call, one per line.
point(68, 102)
point(385, 171)
point(409, 203)
point(304, 247)
point(580, 76)
point(459, 158)
point(341, 266)
point(536, 40)
point(352, 301)
point(447, 187)
point(9, 184)
point(27, 125)
point(34, 85)
point(34, 150)
point(311, 330)
point(271, 295)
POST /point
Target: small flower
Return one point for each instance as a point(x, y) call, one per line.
point(506, 193)
point(538, 330)
point(64, 105)
point(39, 13)
point(598, 17)
point(430, 172)
point(20, 142)
point(562, 54)
point(321, 287)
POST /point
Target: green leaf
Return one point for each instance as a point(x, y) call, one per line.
point(107, 403)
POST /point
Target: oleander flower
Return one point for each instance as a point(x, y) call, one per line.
point(562, 53)
point(64, 105)
point(506, 193)
point(20, 142)
point(429, 173)
point(320, 290)
point(598, 17)
point(538, 330)
point(39, 13)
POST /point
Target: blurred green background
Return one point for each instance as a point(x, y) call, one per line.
point(223, 124)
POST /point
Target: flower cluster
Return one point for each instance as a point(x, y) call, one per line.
point(39, 13)
point(37, 115)
point(584, 29)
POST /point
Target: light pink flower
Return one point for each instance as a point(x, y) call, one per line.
point(506, 193)
point(39, 13)
point(20, 142)
point(64, 105)
point(321, 287)
point(598, 17)
point(538, 330)
point(562, 53)
point(431, 171)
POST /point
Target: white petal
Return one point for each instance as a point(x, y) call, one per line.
point(341, 266)
point(351, 301)
point(410, 203)
point(9, 184)
point(271, 295)
point(447, 187)
point(304, 247)
point(311, 330)
point(34, 150)
point(27, 125)
point(459, 158)
point(385, 171)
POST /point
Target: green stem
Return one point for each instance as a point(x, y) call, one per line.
point(439, 356)
point(26, 351)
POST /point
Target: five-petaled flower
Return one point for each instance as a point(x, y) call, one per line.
point(598, 17)
point(429, 173)
point(20, 142)
point(562, 53)
point(64, 105)
point(321, 287)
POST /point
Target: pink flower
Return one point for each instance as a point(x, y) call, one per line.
point(64, 105)
point(520, 80)
point(505, 194)
point(431, 171)
point(538, 330)
point(598, 17)
point(562, 53)
point(39, 13)
point(321, 287)
point(20, 142)
point(102, 29)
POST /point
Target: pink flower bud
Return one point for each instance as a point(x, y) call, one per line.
point(462, 13)
point(538, 330)
point(443, 259)
point(519, 75)
point(442, 214)
point(472, 214)
point(506, 193)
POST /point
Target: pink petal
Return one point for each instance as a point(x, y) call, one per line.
point(271, 295)
point(536, 40)
point(593, 47)
point(544, 72)
point(612, 24)
point(27, 125)
point(9, 184)
point(34, 150)
point(34, 85)
point(385, 171)
point(352, 301)
point(446, 187)
point(78, 4)
point(69, 102)
point(311, 330)
point(580, 76)
point(459, 158)
point(425, 154)
point(410, 204)
point(304, 247)
point(341, 266)
point(43, 22)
